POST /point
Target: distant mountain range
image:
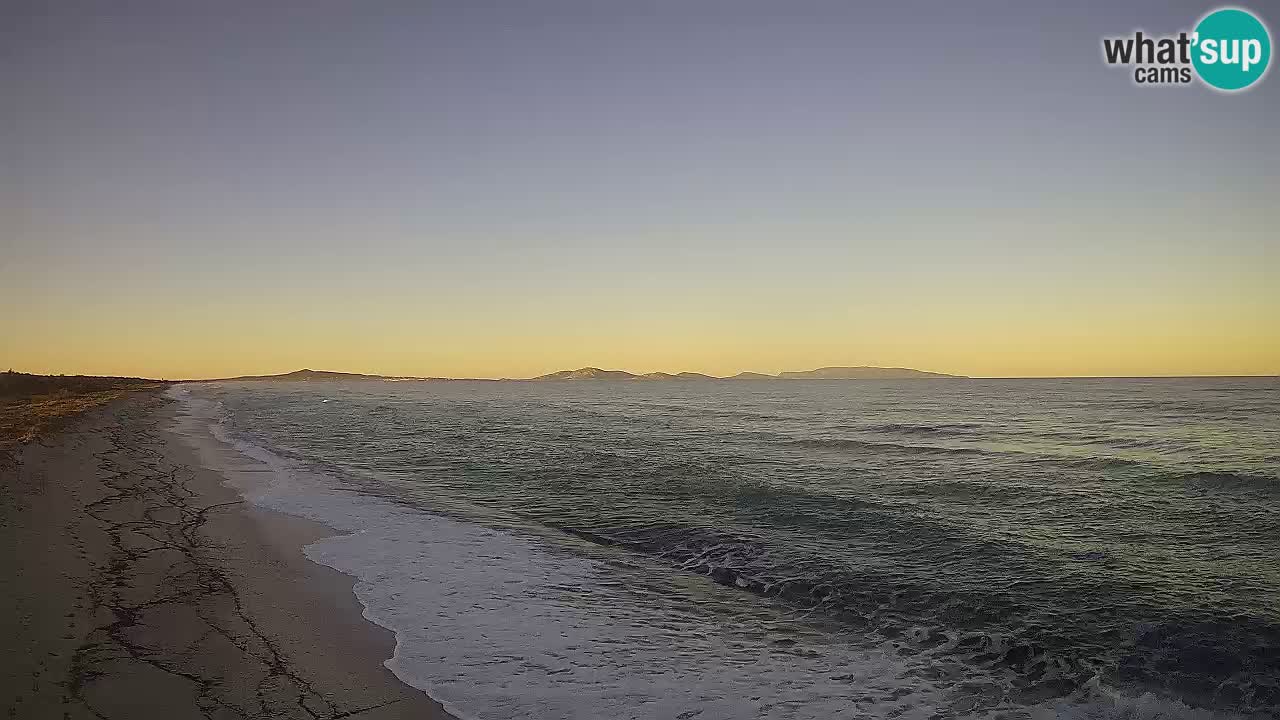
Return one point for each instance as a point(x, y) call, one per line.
point(588, 373)
point(307, 375)
point(826, 373)
point(861, 373)
point(594, 373)
point(591, 373)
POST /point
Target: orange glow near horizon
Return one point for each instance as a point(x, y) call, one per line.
point(1003, 326)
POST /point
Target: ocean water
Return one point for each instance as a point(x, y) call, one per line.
point(794, 549)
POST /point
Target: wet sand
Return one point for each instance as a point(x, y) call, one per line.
point(137, 585)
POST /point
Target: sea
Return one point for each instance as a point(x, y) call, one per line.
point(949, 548)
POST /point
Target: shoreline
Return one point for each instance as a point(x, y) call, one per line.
point(144, 585)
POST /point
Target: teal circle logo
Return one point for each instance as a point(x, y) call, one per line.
point(1232, 49)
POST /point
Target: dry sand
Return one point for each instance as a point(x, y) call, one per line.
point(137, 585)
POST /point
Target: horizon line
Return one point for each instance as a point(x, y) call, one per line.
point(939, 375)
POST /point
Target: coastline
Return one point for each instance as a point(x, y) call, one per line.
point(147, 587)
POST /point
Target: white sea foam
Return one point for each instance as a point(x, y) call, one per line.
point(1095, 701)
point(497, 624)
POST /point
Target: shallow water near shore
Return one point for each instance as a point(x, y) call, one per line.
point(917, 549)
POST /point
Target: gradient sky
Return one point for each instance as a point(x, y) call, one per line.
point(505, 189)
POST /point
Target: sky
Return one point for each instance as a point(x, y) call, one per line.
point(503, 189)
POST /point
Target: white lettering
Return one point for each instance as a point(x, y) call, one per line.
point(1209, 51)
point(1252, 54)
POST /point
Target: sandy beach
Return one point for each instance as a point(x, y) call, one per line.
point(138, 585)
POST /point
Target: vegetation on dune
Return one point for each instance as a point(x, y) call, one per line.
point(31, 405)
